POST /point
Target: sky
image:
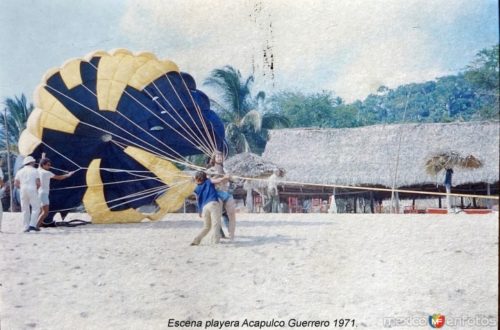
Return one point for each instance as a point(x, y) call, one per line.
point(349, 47)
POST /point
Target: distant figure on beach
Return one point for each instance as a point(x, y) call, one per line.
point(272, 204)
point(447, 178)
point(447, 184)
point(1, 194)
point(209, 207)
point(216, 170)
point(28, 181)
point(43, 193)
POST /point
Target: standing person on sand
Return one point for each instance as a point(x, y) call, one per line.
point(1, 195)
point(217, 170)
point(43, 193)
point(272, 205)
point(28, 181)
point(209, 207)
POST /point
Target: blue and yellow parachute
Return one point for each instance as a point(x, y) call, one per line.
point(121, 120)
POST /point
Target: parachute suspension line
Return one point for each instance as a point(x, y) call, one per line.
point(146, 193)
point(297, 183)
point(149, 110)
point(98, 204)
point(108, 132)
point(102, 184)
point(66, 209)
point(59, 169)
point(106, 119)
point(198, 110)
point(60, 154)
point(202, 120)
point(192, 134)
point(154, 137)
point(186, 127)
point(394, 208)
point(207, 142)
point(161, 119)
point(127, 93)
point(141, 176)
point(213, 135)
point(161, 191)
point(142, 194)
point(177, 161)
point(135, 124)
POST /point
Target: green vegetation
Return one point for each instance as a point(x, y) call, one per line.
point(17, 112)
point(471, 95)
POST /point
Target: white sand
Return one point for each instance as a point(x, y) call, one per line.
point(307, 266)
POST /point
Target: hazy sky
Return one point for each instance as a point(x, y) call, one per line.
point(348, 46)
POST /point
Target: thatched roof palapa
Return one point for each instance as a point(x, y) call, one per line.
point(250, 165)
point(450, 159)
point(368, 155)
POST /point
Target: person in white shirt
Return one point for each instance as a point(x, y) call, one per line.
point(45, 176)
point(28, 182)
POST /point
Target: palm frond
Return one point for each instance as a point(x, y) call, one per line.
point(18, 112)
point(228, 81)
point(260, 96)
point(274, 120)
point(253, 119)
point(447, 160)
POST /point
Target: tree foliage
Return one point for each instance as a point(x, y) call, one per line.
point(471, 95)
point(244, 115)
point(17, 112)
point(315, 110)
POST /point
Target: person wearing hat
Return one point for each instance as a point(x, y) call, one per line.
point(28, 181)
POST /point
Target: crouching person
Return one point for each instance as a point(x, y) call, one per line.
point(209, 207)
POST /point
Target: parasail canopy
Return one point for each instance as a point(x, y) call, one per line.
point(124, 122)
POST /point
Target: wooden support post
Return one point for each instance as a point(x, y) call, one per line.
point(396, 200)
point(333, 203)
point(488, 192)
point(372, 206)
point(249, 200)
point(448, 198)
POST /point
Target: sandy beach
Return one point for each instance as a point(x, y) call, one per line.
point(378, 270)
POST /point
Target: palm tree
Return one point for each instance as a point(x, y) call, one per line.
point(240, 110)
point(17, 112)
point(13, 117)
point(446, 161)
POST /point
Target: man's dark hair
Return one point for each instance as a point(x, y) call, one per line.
point(45, 161)
point(200, 176)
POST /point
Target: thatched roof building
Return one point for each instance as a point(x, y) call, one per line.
point(250, 165)
point(368, 155)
